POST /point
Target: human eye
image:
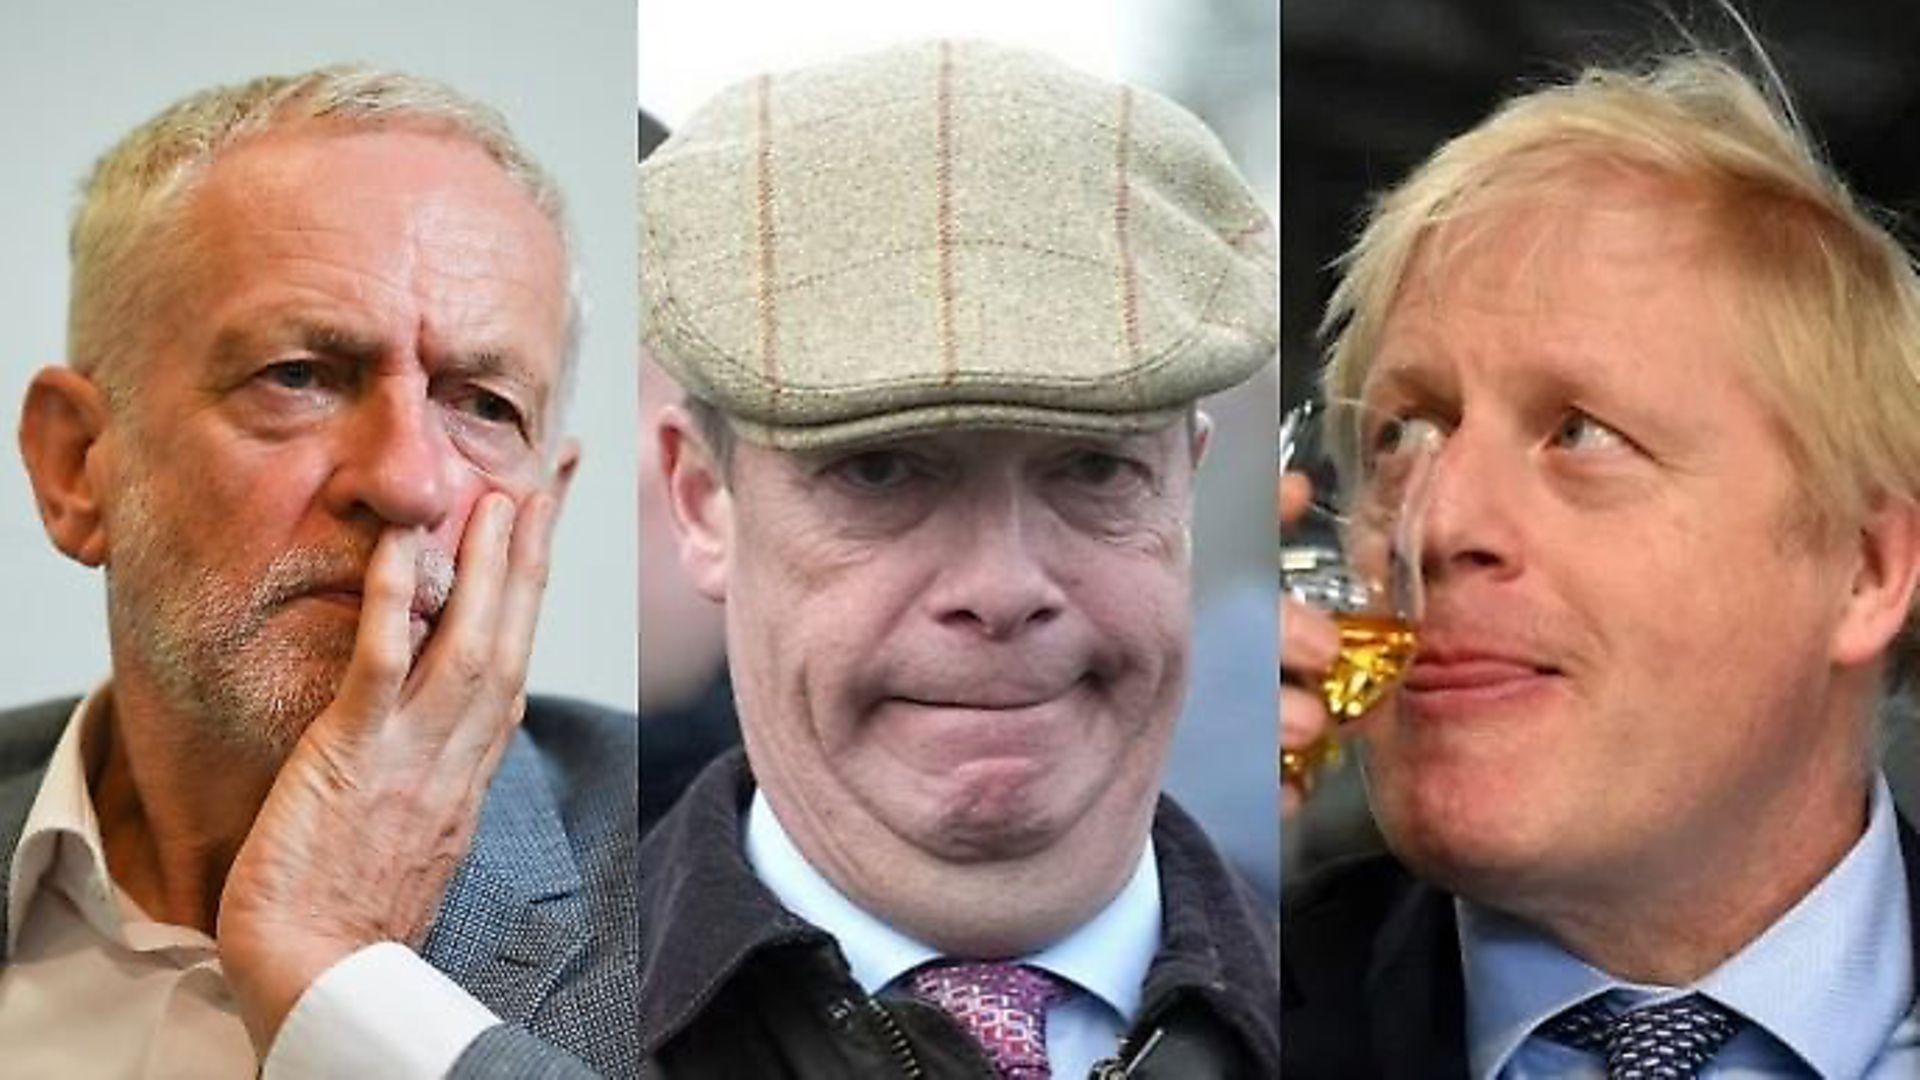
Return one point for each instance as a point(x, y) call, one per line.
point(491, 407)
point(1580, 432)
point(295, 375)
point(1103, 470)
point(1399, 436)
point(1395, 443)
point(878, 470)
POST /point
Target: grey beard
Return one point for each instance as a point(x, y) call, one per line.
point(204, 637)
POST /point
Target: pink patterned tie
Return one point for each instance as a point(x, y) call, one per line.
point(1003, 1006)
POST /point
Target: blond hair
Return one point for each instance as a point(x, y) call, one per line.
point(1832, 299)
point(128, 237)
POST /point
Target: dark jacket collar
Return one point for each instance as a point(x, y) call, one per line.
point(706, 916)
point(1412, 994)
point(27, 739)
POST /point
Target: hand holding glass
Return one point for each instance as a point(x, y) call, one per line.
point(1355, 553)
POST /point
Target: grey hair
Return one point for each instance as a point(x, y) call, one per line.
point(128, 230)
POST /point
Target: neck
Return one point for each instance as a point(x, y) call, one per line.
point(1688, 909)
point(963, 910)
point(174, 805)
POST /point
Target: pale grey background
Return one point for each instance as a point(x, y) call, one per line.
point(77, 74)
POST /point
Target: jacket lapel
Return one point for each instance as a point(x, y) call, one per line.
point(1416, 992)
point(16, 800)
point(27, 738)
point(513, 918)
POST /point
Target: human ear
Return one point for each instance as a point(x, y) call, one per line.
point(1884, 578)
point(1198, 438)
point(62, 423)
point(698, 499)
point(565, 463)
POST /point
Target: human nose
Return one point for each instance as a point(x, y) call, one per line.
point(998, 580)
point(1470, 522)
point(394, 461)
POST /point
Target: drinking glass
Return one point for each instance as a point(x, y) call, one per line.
point(1355, 553)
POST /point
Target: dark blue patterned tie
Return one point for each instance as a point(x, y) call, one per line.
point(1661, 1042)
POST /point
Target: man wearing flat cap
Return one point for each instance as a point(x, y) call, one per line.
point(941, 315)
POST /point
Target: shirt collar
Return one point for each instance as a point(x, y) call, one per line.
point(63, 810)
point(1830, 979)
point(1107, 956)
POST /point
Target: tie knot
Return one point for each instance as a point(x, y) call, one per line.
point(1002, 1006)
point(1671, 1041)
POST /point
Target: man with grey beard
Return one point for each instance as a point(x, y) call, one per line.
point(320, 336)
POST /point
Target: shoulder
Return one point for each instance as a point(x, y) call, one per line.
point(1358, 891)
point(1337, 920)
point(1217, 937)
point(1192, 867)
point(1368, 960)
point(28, 734)
point(583, 760)
point(587, 750)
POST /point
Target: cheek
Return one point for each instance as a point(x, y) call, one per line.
point(1139, 598)
point(1704, 620)
point(806, 608)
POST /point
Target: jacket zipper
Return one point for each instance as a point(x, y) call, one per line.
point(897, 1043)
point(1131, 1054)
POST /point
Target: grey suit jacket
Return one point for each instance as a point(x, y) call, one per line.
point(540, 921)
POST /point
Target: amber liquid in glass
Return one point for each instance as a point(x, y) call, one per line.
point(1374, 651)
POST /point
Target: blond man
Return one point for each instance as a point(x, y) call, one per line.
point(1629, 784)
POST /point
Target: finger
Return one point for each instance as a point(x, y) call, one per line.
point(382, 645)
point(1296, 492)
point(457, 665)
point(1309, 640)
point(527, 563)
point(1303, 718)
point(519, 610)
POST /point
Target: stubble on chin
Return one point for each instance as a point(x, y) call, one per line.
point(212, 644)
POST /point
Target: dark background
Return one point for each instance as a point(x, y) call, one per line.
point(1368, 88)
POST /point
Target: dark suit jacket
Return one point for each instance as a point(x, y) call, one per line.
point(1370, 980)
point(540, 920)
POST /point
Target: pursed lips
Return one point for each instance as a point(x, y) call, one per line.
point(988, 696)
point(1467, 673)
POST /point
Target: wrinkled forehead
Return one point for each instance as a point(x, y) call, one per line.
point(1549, 257)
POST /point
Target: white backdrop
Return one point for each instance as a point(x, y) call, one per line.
point(76, 74)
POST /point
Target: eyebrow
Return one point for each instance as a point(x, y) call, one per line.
point(500, 363)
point(237, 346)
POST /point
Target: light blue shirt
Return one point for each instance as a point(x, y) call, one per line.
point(1829, 987)
point(1106, 958)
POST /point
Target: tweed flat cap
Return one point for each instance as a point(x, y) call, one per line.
point(950, 234)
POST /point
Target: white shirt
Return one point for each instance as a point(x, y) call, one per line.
point(92, 986)
point(1106, 958)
